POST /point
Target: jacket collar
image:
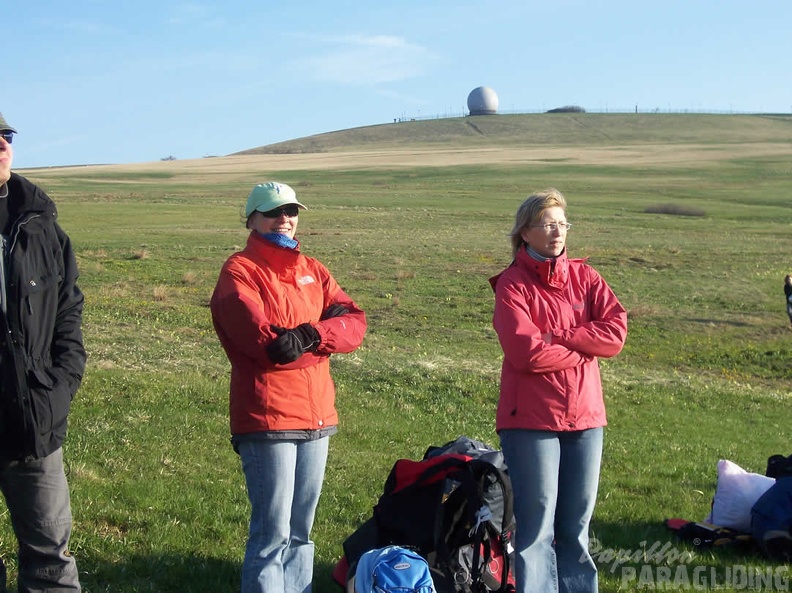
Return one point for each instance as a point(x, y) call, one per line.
point(274, 255)
point(552, 272)
point(28, 197)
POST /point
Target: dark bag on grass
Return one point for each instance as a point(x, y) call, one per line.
point(706, 535)
point(771, 520)
point(453, 508)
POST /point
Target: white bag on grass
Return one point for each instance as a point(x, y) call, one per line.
point(735, 494)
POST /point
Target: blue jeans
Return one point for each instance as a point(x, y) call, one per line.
point(37, 497)
point(284, 480)
point(555, 476)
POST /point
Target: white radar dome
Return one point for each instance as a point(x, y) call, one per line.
point(482, 101)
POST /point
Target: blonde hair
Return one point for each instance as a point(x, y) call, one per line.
point(531, 210)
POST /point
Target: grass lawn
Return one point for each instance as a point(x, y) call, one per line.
point(157, 492)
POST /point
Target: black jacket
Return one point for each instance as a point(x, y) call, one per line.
point(43, 357)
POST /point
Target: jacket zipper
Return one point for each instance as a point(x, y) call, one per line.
point(3, 244)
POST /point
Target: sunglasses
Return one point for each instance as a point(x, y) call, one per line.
point(290, 210)
point(7, 135)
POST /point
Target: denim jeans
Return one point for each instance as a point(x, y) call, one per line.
point(555, 476)
point(37, 497)
point(284, 480)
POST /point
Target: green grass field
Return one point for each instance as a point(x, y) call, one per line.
point(158, 494)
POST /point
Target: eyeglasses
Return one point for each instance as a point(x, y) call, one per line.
point(290, 210)
point(552, 227)
point(7, 135)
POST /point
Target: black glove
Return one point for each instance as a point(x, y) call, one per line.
point(308, 336)
point(335, 310)
point(292, 343)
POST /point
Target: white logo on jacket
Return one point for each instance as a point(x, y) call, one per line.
point(303, 280)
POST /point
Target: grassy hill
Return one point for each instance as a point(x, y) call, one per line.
point(545, 129)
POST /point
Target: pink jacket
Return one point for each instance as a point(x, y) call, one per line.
point(553, 320)
point(266, 285)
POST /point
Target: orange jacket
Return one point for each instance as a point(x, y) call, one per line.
point(266, 285)
point(553, 320)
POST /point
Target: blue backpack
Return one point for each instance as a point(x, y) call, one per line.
point(392, 569)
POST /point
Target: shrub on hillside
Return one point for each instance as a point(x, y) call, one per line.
point(567, 109)
point(675, 209)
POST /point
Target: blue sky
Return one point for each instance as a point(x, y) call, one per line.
point(121, 82)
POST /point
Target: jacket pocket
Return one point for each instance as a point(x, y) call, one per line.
point(50, 400)
point(38, 294)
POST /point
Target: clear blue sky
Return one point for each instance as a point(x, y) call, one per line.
point(122, 82)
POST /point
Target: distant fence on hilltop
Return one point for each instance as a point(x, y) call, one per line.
point(636, 110)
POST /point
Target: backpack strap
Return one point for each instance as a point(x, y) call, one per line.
point(503, 481)
point(469, 490)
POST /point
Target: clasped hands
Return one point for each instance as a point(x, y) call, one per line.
point(291, 344)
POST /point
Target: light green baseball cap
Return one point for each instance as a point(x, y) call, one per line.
point(4, 125)
point(270, 195)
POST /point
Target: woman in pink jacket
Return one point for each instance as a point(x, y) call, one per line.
point(279, 315)
point(554, 317)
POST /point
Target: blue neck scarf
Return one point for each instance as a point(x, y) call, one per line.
point(280, 240)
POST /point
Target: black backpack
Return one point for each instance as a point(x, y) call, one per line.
point(454, 507)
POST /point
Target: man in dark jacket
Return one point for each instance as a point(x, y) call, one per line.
point(42, 360)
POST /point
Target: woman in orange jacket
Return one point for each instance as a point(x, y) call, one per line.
point(554, 317)
point(279, 315)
